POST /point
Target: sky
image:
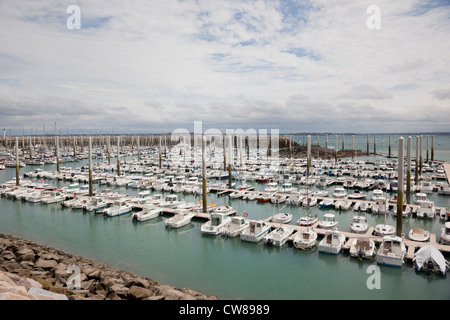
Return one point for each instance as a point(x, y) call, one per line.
point(159, 65)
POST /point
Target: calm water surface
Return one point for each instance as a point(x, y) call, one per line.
point(227, 267)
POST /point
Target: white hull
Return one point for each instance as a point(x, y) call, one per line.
point(333, 247)
point(255, 234)
point(179, 220)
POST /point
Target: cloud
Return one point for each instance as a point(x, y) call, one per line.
point(160, 65)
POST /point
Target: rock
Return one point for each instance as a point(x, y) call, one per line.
point(45, 264)
point(42, 294)
point(51, 256)
point(119, 289)
point(137, 281)
point(8, 255)
point(25, 254)
point(92, 273)
point(139, 293)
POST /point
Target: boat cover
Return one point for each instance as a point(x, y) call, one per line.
point(427, 253)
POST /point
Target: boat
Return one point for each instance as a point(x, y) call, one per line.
point(332, 242)
point(179, 220)
point(256, 231)
point(305, 239)
point(326, 203)
point(225, 209)
point(118, 208)
point(307, 220)
point(342, 204)
point(54, 197)
point(271, 187)
point(357, 195)
point(363, 249)
point(264, 197)
point(359, 224)
point(279, 198)
point(309, 201)
point(186, 205)
point(237, 194)
point(420, 197)
point(328, 222)
point(339, 192)
point(384, 230)
point(250, 196)
point(96, 204)
point(380, 206)
point(282, 217)
point(235, 226)
point(142, 197)
point(215, 224)
point(361, 206)
point(417, 234)
point(430, 259)
point(170, 201)
point(149, 211)
point(278, 236)
point(391, 252)
point(377, 194)
point(426, 210)
point(444, 237)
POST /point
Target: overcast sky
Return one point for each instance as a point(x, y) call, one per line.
point(296, 66)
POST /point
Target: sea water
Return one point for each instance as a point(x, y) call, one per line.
point(226, 267)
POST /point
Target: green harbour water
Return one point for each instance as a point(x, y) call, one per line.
point(226, 267)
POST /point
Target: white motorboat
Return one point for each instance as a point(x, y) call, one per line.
point(288, 188)
point(339, 192)
point(444, 237)
point(418, 234)
point(118, 208)
point(235, 226)
point(179, 220)
point(149, 211)
point(384, 230)
point(278, 236)
point(363, 249)
point(321, 193)
point(279, 198)
point(54, 197)
point(305, 239)
point(328, 222)
point(271, 187)
point(357, 195)
point(420, 197)
point(361, 206)
point(342, 204)
point(430, 259)
point(391, 252)
point(142, 197)
point(186, 205)
point(170, 201)
point(250, 196)
point(282, 217)
point(156, 199)
point(237, 194)
point(377, 194)
point(215, 224)
point(256, 231)
point(380, 206)
point(309, 201)
point(426, 210)
point(225, 209)
point(295, 199)
point(307, 220)
point(359, 224)
point(332, 242)
point(96, 204)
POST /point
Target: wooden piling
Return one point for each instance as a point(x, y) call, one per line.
point(90, 168)
point(400, 187)
point(17, 162)
point(408, 171)
point(204, 174)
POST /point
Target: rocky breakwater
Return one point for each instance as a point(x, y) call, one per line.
point(33, 271)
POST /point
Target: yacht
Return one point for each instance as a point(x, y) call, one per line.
point(271, 187)
point(215, 225)
point(384, 230)
point(426, 210)
point(142, 197)
point(326, 203)
point(305, 239)
point(149, 211)
point(179, 220)
point(357, 195)
point(444, 237)
point(235, 226)
point(430, 259)
point(339, 192)
point(225, 209)
point(282, 217)
point(256, 231)
point(264, 197)
point(380, 206)
point(278, 236)
point(329, 221)
point(391, 252)
point(96, 204)
point(332, 242)
point(363, 249)
point(377, 194)
point(359, 224)
point(307, 220)
point(417, 234)
point(170, 201)
point(54, 197)
point(420, 197)
point(361, 206)
point(118, 208)
point(279, 198)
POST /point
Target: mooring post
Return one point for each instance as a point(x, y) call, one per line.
point(90, 167)
point(408, 171)
point(204, 174)
point(400, 187)
point(17, 162)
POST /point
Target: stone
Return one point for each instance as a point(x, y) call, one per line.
point(42, 294)
point(25, 254)
point(45, 264)
point(139, 293)
point(92, 273)
point(119, 289)
point(8, 255)
point(137, 281)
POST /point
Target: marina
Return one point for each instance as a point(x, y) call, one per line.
point(152, 183)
